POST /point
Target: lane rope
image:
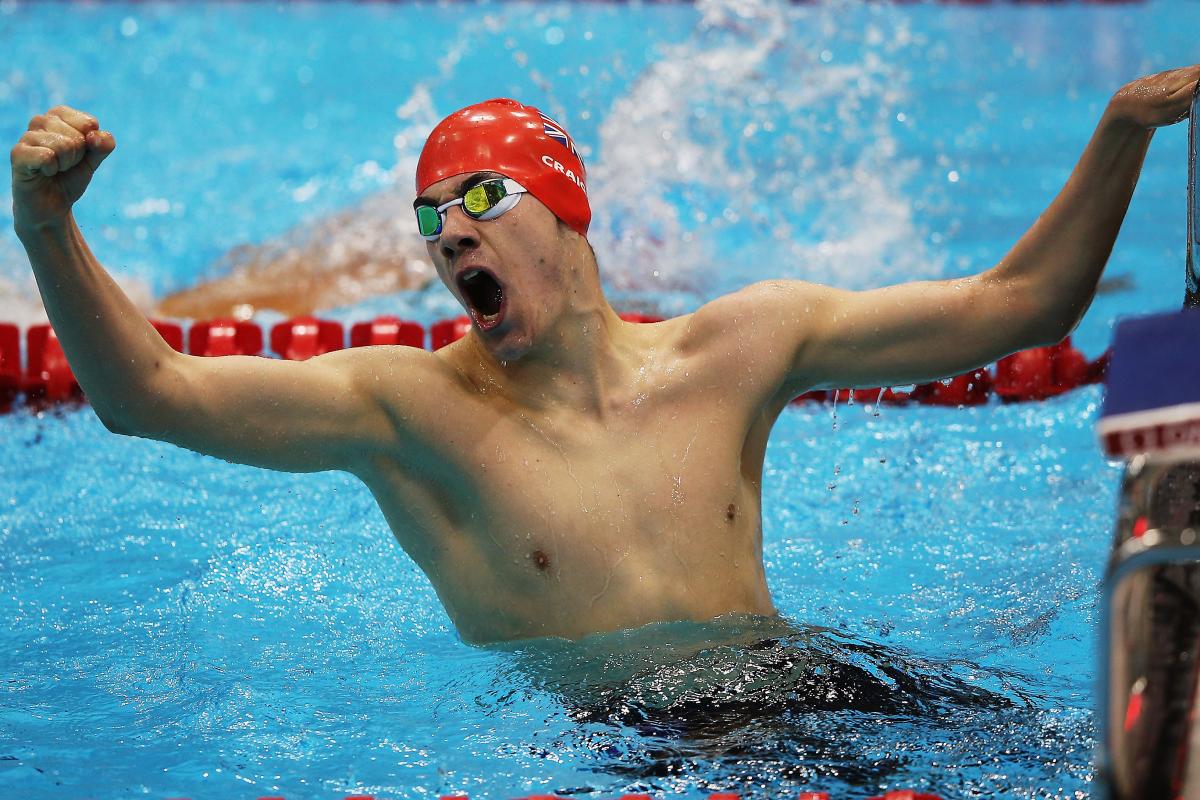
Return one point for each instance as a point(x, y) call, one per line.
point(46, 377)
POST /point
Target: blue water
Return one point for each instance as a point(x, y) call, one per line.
point(179, 626)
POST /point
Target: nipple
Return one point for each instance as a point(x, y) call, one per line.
point(540, 560)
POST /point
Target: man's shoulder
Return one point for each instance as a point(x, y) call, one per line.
point(756, 309)
point(392, 372)
point(374, 357)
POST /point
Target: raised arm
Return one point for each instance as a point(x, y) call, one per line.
point(1035, 296)
point(314, 415)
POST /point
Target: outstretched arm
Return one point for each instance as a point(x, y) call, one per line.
point(1035, 296)
point(308, 416)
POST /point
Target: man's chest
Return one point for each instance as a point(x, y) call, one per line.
point(637, 471)
point(575, 490)
point(527, 519)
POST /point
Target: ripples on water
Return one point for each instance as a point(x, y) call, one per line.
point(760, 705)
point(688, 127)
point(194, 626)
point(177, 618)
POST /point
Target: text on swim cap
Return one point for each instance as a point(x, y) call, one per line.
point(549, 161)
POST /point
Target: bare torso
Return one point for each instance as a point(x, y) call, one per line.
point(631, 499)
point(555, 522)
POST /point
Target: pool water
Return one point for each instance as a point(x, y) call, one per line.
point(179, 626)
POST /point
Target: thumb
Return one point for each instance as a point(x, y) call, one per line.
point(99, 145)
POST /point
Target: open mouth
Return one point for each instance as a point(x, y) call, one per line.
point(484, 296)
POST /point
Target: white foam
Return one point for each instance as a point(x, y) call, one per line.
point(818, 200)
point(759, 146)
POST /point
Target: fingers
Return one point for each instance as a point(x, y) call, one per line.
point(99, 145)
point(59, 140)
point(1180, 81)
point(84, 123)
point(66, 141)
point(1158, 100)
point(30, 160)
point(1182, 89)
point(1191, 84)
point(68, 151)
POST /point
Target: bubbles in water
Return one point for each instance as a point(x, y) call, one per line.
point(668, 698)
point(738, 150)
point(740, 154)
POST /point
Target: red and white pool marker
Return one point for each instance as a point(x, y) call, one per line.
point(1035, 374)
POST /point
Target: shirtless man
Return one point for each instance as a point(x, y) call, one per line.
point(559, 472)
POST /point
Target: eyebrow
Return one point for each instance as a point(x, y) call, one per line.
point(468, 182)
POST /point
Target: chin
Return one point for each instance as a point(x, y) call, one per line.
point(508, 346)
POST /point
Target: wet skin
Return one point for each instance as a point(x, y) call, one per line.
point(559, 472)
point(554, 520)
point(569, 472)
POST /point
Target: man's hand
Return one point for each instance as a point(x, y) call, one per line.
point(54, 162)
point(1156, 100)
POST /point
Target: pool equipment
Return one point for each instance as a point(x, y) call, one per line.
point(1192, 298)
point(224, 337)
point(1150, 632)
point(10, 364)
point(1036, 374)
point(1150, 728)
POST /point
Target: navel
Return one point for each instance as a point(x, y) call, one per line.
point(730, 512)
point(540, 560)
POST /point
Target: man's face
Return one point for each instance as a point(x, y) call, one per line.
point(507, 272)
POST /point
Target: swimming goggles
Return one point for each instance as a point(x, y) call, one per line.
point(485, 200)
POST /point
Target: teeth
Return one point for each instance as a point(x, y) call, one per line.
point(481, 291)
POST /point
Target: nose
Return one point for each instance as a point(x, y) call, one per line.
point(458, 233)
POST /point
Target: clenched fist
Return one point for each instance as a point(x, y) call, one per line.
point(1157, 100)
point(53, 163)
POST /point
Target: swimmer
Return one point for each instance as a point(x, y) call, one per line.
point(557, 471)
point(318, 265)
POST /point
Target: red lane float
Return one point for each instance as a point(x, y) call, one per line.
point(1042, 372)
point(387, 330)
point(10, 365)
point(48, 377)
point(225, 337)
point(1035, 374)
point(302, 338)
point(447, 331)
point(451, 330)
point(634, 316)
point(171, 333)
point(970, 389)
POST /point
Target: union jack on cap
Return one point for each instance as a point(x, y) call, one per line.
point(506, 136)
point(556, 132)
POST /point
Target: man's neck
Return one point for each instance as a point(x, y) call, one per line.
point(576, 364)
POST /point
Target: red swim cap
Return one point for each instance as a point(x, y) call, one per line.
point(517, 141)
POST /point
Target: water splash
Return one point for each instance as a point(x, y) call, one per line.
point(747, 150)
point(673, 704)
point(761, 146)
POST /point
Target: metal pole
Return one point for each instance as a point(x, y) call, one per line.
point(1192, 297)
